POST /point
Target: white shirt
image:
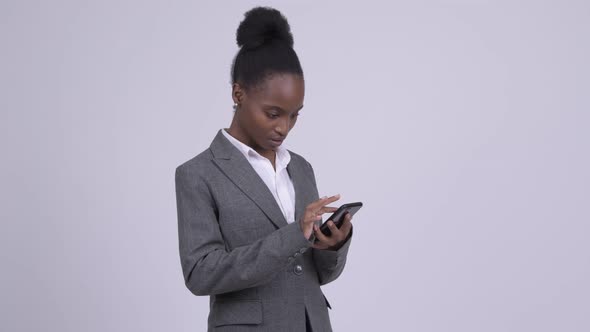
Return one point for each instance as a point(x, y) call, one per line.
point(278, 181)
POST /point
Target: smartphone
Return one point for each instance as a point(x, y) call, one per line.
point(338, 216)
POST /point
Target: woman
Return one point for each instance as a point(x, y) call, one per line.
point(248, 209)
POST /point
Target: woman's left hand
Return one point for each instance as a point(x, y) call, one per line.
point(338, 236)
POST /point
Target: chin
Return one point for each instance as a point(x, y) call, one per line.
point(265, 147)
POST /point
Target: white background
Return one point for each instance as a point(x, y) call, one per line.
point(463, 126)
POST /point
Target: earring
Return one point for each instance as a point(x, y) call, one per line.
point(235, 107)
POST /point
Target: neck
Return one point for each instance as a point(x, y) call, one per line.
point(238, 133)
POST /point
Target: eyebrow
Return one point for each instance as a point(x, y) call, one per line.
point(280, 109)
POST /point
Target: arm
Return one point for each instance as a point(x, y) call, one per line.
point(208, 268)
point(329, 263)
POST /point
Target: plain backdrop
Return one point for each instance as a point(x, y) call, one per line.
point(463, 126)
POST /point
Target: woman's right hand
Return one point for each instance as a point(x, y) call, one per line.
point(313, 213)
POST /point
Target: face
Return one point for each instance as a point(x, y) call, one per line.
point(266, 113)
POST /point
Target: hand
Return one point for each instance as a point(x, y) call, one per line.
point(338, 236)
point(313, 213)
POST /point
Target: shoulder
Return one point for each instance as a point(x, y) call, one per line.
point(300, 162)
point(196, 167)
point(298, 159)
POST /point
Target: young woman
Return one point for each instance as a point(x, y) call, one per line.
point(249, 210)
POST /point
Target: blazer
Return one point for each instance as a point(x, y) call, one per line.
point(235, 245)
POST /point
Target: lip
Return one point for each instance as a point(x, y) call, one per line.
point(276, 142)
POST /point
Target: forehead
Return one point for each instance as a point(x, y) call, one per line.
point(281, 89)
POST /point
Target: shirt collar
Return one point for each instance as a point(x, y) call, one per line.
point(282, 154)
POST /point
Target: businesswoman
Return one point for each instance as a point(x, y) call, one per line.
point(249, 209)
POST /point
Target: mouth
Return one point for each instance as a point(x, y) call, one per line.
point(276, 141)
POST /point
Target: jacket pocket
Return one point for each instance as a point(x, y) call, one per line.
point(237, 312)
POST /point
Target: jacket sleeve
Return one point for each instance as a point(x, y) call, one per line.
point(208, 267)
point(329, 263)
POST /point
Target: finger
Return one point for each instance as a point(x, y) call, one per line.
point(316, 206)
point(309, 219)
point(332, 227)
point(327, 209)
point(347, 218)
point(337, 235)
point(313, 219)
point(328, 241)
point(319, 235)
point(346, 225)
point(324, 201)
point(330, 200)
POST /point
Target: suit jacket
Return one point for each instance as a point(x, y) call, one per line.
point(236, 246)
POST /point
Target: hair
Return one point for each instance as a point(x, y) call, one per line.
point(266, 48)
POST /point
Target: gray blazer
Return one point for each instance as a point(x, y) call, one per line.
point(236, 246)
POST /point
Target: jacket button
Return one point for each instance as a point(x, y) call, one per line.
point(298, 269)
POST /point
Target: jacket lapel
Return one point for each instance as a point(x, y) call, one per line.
point(235, 166)
point(298, 178)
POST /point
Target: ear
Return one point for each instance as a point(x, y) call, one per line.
point(237, 93)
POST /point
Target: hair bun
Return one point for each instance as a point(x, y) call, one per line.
point(263, 25)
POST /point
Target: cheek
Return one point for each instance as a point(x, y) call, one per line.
point(252, 118)
point(262, 124)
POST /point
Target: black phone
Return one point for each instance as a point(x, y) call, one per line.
point(338, 216)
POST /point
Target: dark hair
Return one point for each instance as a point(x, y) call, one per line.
point(266, 48)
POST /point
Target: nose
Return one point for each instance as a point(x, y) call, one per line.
point(283, 126)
